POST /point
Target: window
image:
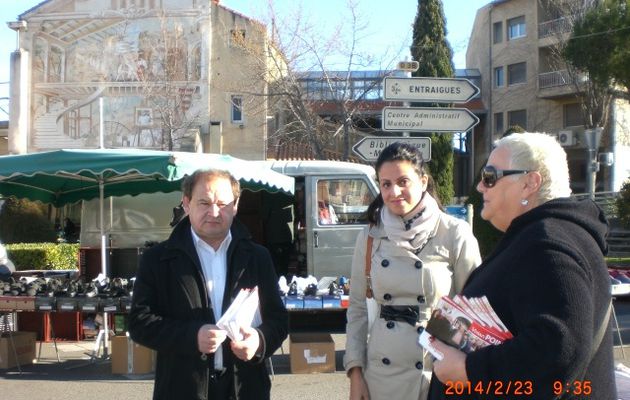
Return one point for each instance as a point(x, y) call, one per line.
point(498, 77)
point(517, 73)
point(497, 32)
point(518, 117)
point(573, 115)
point(516, 27)
point(237, 109)
point(237, 37)
point(498, 123)
point(343, 201)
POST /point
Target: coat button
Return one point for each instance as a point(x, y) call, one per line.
point(420, 299)
point(386, 361)
point(419, 365)
point(420, 329)
point(418, 264)
point(387, 296)
point(390, 324)
point(385, 263)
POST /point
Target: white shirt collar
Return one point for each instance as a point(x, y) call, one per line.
point(199, 242)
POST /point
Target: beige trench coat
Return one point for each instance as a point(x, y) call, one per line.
point(393, 363)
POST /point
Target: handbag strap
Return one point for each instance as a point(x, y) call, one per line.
point(597, 340)
point(368, 267)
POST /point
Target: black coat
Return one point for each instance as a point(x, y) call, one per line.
point(170, 304)
point(548, 282)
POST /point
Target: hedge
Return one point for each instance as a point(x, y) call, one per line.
point(44, 256)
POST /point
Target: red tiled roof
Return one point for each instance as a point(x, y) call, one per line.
point(303, 151)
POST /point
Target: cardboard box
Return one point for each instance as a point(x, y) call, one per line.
point(7, 303)
point(294, 302)
point(89, 304)
point(311, 353)
point(44, 303)
point(110, 304)
point(67, 304)
point(24, 343)
point(331, 301)
point(312, 301)
point(131, 358)
point(25, 303)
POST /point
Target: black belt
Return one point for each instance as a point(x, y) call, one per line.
point(408, 314)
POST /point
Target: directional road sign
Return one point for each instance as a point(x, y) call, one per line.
point(369, 148)
point(428, 119)
point(442, 90)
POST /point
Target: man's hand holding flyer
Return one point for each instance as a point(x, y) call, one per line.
point(243, 312)
point(464, 323)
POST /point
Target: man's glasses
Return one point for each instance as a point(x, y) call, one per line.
point(490, 175)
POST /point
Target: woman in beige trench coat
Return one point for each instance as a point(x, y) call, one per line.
point(419, 253)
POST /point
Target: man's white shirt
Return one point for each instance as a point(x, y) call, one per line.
point(214, 265)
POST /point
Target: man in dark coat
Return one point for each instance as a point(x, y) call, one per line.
point(186, 283)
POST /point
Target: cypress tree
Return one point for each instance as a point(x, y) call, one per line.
point(432, 50)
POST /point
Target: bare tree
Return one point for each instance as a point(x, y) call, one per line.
point(311, 83)
point(594, 96)
point(168, 70)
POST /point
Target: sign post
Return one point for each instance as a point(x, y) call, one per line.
point(439, 90)
point(420, 119)
point(369, 148)
point(428, 119)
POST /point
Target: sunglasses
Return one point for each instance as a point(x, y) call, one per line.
point(490, 175)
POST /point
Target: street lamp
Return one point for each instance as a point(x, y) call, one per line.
point(592, 137)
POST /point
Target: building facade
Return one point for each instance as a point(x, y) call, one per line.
point(513, 44)
point(157, 74)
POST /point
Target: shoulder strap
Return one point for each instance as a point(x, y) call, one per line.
point(597, 340)
point(368, 267)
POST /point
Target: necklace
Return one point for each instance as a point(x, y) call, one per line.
point(413, 218)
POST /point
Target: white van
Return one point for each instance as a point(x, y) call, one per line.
point(311, 232)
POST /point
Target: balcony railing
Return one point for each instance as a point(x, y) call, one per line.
point(552, 79)
point(554, 27)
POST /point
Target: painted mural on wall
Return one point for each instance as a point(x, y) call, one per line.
point(145, 67)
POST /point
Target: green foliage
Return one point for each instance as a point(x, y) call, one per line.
point(513, 129)
point(599, 43)
point(487, 235)
point(623, 204)
point(24, 221)
point(441, 166)
point(431, 49)
point(44, 256)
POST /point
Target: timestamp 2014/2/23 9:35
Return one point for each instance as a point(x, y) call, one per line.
point(515, 388)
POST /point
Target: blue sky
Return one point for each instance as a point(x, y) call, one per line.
point(390, 23)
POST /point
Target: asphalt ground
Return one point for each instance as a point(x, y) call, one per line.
point(77, 376)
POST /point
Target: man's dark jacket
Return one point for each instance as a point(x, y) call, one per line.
point(170, 303)
point(548, 282)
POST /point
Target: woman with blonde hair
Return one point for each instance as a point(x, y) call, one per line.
point(546, 280)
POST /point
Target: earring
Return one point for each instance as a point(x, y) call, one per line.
point(524, 202)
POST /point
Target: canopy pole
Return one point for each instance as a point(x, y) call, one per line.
point(101, 189)
point(101, 124)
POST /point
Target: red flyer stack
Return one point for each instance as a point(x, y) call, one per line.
point(464, 323)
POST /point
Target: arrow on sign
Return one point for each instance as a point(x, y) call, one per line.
point(428, 119)
point(369, 148)
point(444, 90)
